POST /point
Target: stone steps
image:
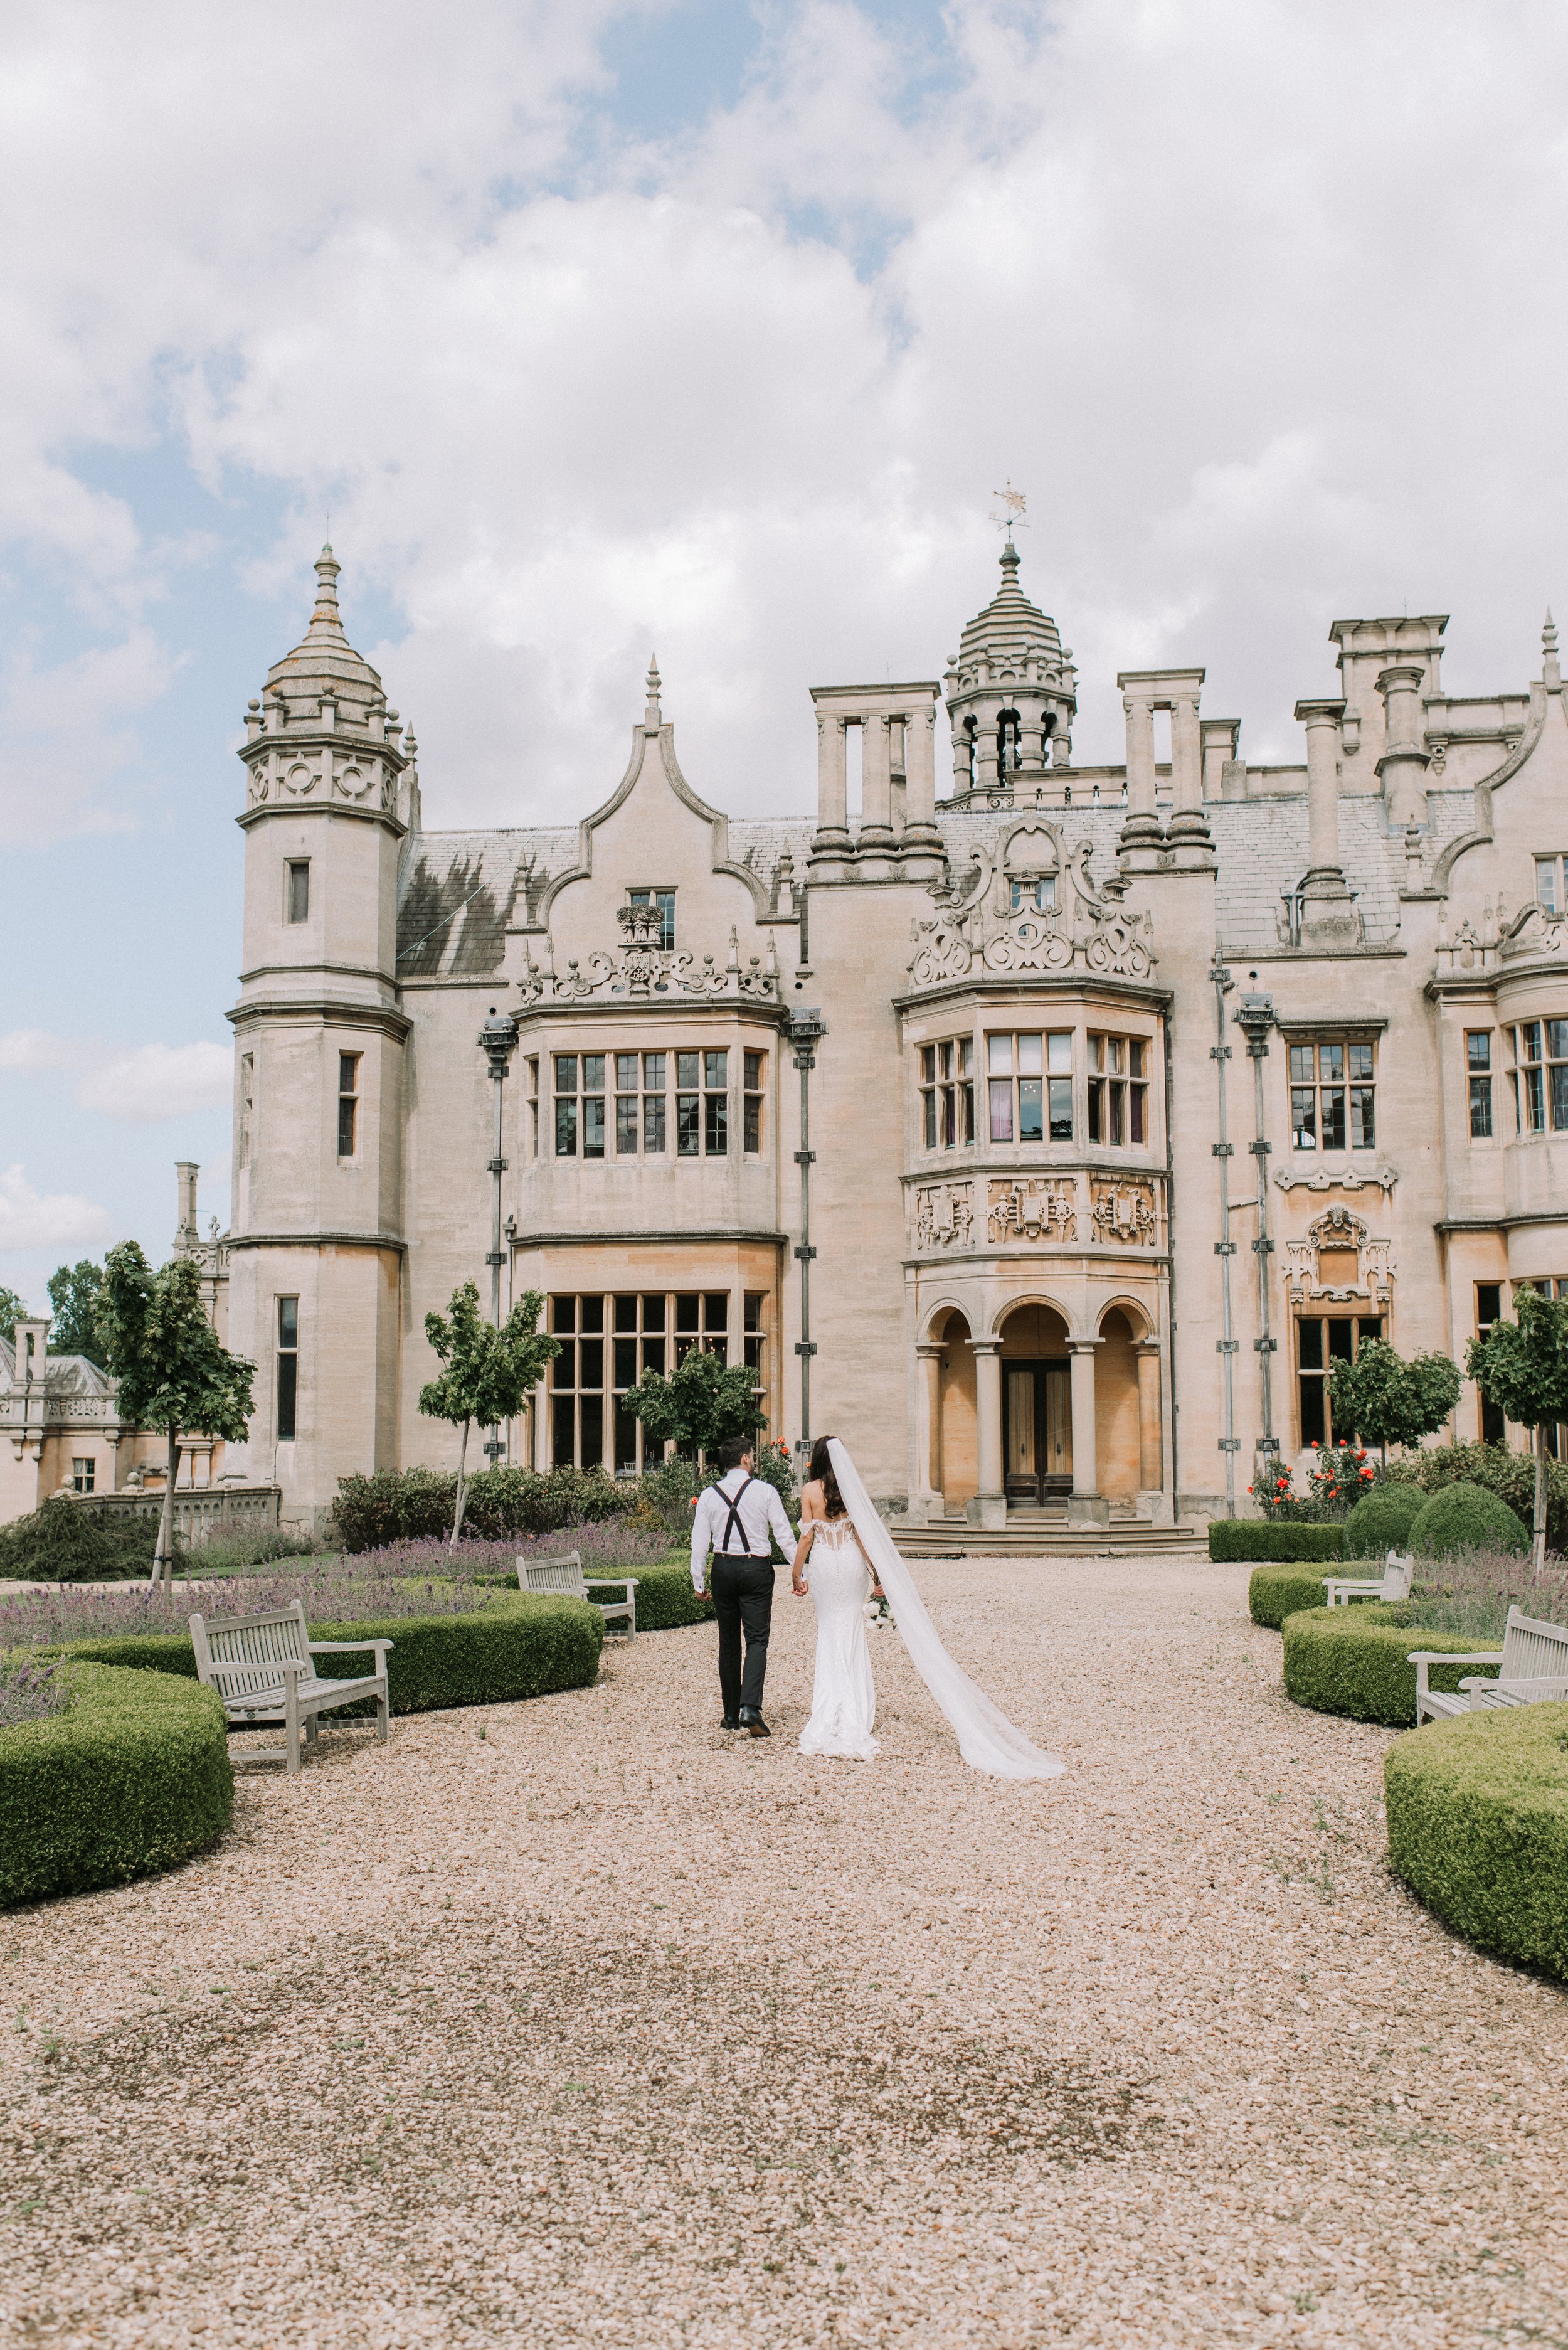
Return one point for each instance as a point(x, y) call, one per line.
point(1044, 1533)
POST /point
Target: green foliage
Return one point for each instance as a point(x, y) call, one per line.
point(1355, 1661)
point(664, 1599)
point(488, 1373)
point(134, 1777)
point(1275, 1592)
point(13, 1309)
point(518, 1645)
point(703, 1403)
point(1387, 1400)
point(1265, 1538)
point(1522, 1368)
point(64, 1541)
point(1477, 1828)
point(1509, 1475)
point(1466, 1517)
point(411, 1505)
point(1381, 1521)
point(76, 1294)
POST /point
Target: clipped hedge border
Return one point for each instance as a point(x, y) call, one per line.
point(665, 1600)
point(518, 1647)
point(1275, 1592)
point(1355, 1661)
point(1477, 1828)
point(1274, 1538)
point(134, 1777)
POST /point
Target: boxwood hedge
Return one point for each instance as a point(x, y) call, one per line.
point(1467, 1517)
point(133, 1777)
point(664, 1599)
point(1276, 1591)
point(1477, 1828)
point(1355, 1661)
point(1381, 1521)
point(518, 1645)
point(1274, 1538)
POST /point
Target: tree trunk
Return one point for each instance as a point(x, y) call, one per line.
point(163, 1564)
point(1538, 1531)
point(457, 1514)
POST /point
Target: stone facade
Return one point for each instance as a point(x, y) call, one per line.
point(916, 1106)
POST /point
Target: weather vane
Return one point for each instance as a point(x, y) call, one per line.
point(1014, 501)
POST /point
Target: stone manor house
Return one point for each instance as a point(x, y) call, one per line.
point(1048, 1132)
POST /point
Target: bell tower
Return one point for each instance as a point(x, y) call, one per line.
point(1012, 696)
point(319, 1035)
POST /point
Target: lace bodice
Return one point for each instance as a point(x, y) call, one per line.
point(834, 1534)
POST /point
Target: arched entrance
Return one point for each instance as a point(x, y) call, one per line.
point(1119, 1439)
point(1036, 1407)
point(950, 1411)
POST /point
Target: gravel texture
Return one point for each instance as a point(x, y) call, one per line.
point(579, 2021)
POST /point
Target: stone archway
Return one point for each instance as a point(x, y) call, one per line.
point(1036, 1406)
point(951, 1439)
point(1118, 1442)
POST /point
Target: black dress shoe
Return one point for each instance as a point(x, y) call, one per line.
point(730, 1722)
point(753, 1721)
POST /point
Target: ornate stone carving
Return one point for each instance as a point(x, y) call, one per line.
point(1121, 944)
point(1124, 1211)
point(1339, 1233)
point(941, 952)
point(975, 926)
point(1029, 942)
point(1033, 1208)
point(944, 1215)
point(1344, 1178)
point(640, 969)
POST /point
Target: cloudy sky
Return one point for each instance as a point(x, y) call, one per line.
point(711, 327)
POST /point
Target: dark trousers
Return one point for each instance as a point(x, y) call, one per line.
point(743, 1597)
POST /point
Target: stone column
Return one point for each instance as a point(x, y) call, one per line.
point(1403, 766)
point(1142, 824)
point(832, 846)
point(1084, 1508)
point(879, 847)
point(1187, 821)
point(988, 775)
point(1328, 916)
point(923, 852)
point(929, 1429)
point(988, 1507)
point(1151, 1451)
point(963, 777)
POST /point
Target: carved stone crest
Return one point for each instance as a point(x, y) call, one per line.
point(944, 1215)
point(1033, 1208)
point(1126, 1211)
point(1337, 1242)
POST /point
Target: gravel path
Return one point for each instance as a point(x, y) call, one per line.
point(578, 2021)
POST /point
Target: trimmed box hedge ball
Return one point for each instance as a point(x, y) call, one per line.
point(519, 1646)
point(133, 1777)
point(1274, 1538)
point(1355, 1661)
point(664, 1599)
point(1467, 1517)
point(1477, 1828)
point(1381, 1521)
point(1276, 1591)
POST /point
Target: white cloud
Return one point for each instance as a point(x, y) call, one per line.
point(140, 1085)
point(57, 1220)
point(68, 739)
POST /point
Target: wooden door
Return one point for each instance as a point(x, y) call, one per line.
point(1020, 1432)
point(1056, 1469)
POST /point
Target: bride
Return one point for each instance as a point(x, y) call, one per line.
point(852, 1559)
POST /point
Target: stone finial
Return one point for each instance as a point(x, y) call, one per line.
point(326, 620)
point(1551, 673)
point(650, 716)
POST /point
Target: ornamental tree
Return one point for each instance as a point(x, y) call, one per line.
point(76, 1291)
point(13, 1309)
point(705, 1402)
point(174, 1372)
point(1522, 1368)
point(1386, 1400)
point(489, 1373)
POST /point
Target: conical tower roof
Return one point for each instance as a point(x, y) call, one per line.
point(1010, 631)
point(324, 661)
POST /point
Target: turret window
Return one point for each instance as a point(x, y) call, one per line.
point(296, 889)
point(348, 1104)
point(1477, 1061)
point(288, 1369)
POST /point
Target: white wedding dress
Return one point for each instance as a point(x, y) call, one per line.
point(843, 1704)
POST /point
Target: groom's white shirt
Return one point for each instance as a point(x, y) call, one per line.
point(759, 1512)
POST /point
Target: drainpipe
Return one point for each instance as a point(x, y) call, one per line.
point(1170, 1262)
point(1225, 1247)
point(497, 1042)
point(1255, 1018)
point(806, 1030)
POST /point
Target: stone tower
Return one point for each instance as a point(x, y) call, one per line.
point(319, 1066)
point(1010, 691)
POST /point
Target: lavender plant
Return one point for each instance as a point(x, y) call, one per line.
point(30, 1692)
point(1472, 1592)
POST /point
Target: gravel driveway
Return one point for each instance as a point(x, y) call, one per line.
point(578, 2021)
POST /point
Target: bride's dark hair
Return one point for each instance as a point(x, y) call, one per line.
point(821, 1471)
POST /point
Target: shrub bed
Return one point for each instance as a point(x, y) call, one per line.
point(1274, 1538)
point(513, 1647)
point(1477, 1828)
point(1464, 1517)
point(134, 1777)
point(1498, 1470)
point(1355, 1661)
point(70, 1542)
point(1381, 1521)
point(401, 1505)
point(664, 1599)
point(1276, 1591)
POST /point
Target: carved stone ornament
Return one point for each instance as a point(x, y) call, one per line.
point(321, 774)
point(1124, 1211)
point(640, 969)
point(1344, 1178)
point(1090, 931)
point(944, 1215)
point(1339, 1233)
point(1033, 1208)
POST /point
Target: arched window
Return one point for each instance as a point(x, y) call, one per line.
point(1009, 742)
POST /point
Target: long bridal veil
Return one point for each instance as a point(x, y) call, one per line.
point(987, 1739)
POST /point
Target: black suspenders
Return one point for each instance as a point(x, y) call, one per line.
point(732, 1523)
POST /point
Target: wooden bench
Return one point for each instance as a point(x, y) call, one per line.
point(261, 1666)
point(1532, 1669)
point(1394, 1583)
point(566, 1574)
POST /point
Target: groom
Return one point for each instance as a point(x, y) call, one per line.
point(734, 1519)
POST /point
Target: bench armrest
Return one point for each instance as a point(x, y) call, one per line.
point(630, 1581)
point(1529, 1681)
point(347, 1648)
point(1454, 1657)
